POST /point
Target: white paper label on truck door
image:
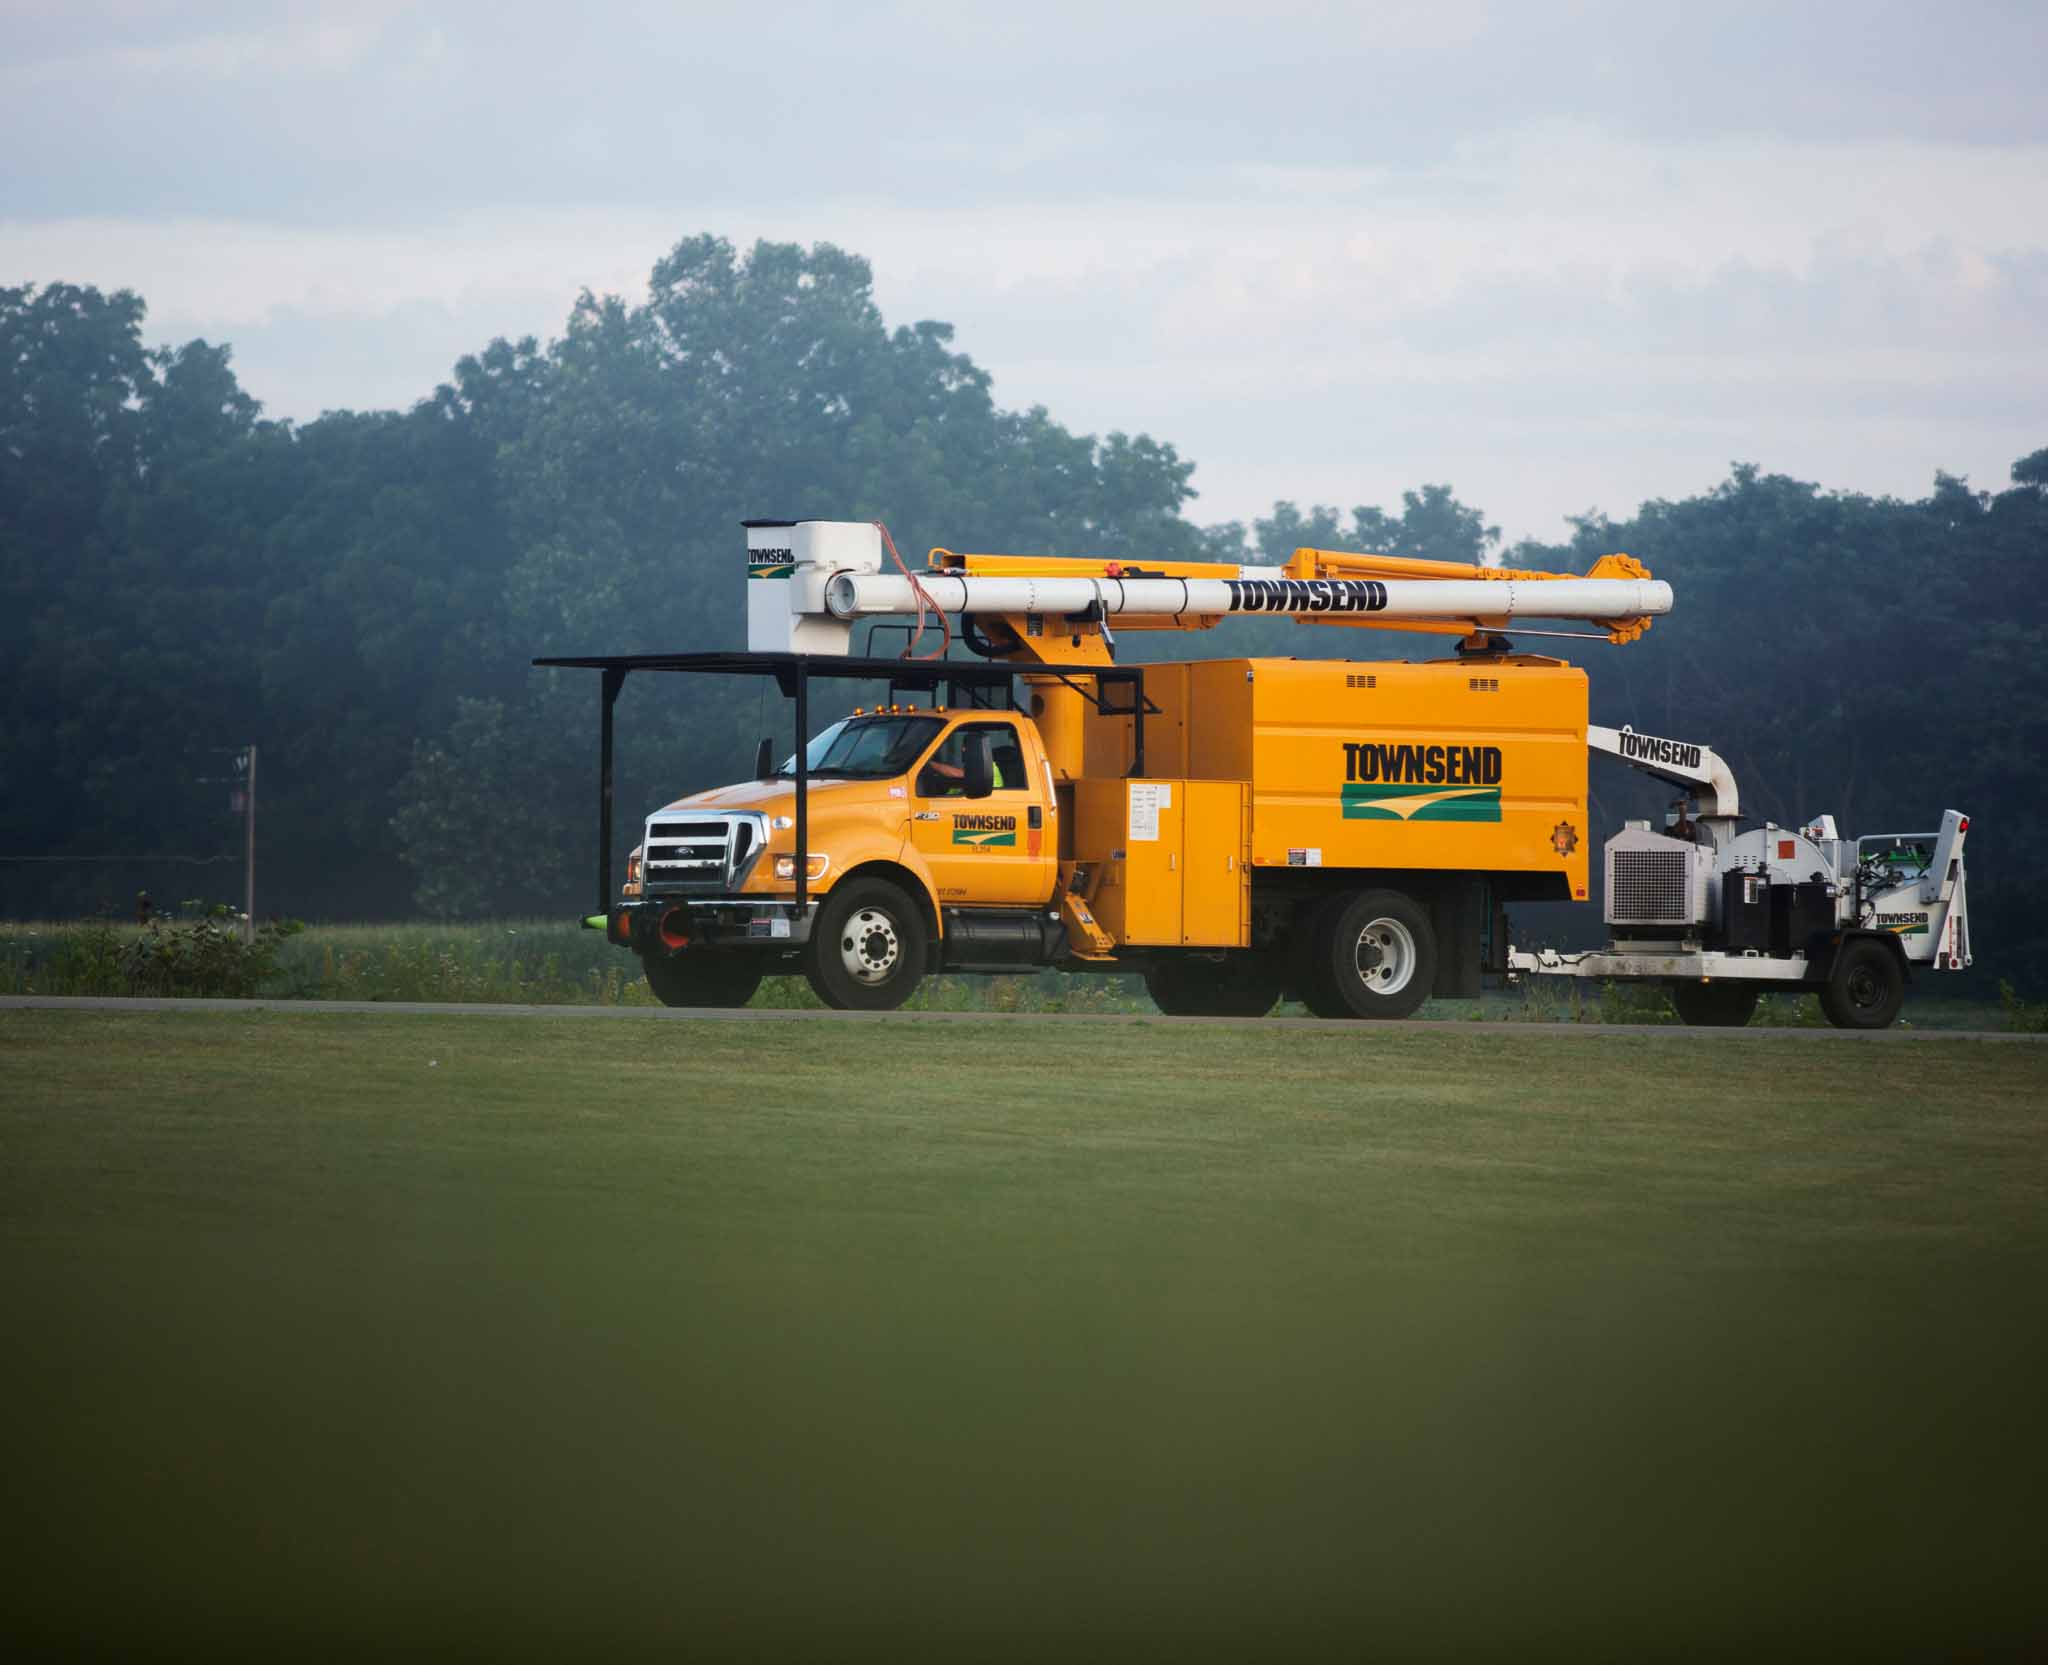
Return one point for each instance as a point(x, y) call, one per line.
point(1148, 798)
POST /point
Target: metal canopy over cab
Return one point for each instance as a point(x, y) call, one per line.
point(964, 682)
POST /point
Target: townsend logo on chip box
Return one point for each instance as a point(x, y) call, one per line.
point(1421, 781)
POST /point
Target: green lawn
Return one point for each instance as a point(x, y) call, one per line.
point(558, 962)
point(808, 1340)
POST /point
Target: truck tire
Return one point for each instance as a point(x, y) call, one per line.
point(700, 979)
point(1713, 1005)
point(1866, 988)
point(1244, 985)
point(1303, 982)
point(868, 947)
point(1369, 954)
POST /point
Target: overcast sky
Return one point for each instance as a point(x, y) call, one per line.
point(1559, 256)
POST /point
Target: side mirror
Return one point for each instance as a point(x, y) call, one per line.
point(764, 758)
point(979, 773)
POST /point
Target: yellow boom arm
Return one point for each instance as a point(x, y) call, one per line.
point(1305, 564)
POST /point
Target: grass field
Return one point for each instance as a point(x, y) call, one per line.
point(497, 1335)
point(556, 962)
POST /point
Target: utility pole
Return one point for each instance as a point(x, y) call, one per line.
point(243, 800)
point(249, 850)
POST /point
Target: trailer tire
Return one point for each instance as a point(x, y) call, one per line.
point(868, 947)
point(1713, 1005)
point(1866, 987)
point(1370, 954)
point(696, 978)
point(1244, 985)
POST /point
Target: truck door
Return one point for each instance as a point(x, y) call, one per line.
point(996, 850)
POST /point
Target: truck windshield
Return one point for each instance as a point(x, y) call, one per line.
point(867, 748)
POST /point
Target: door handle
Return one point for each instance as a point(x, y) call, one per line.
point(926, 815)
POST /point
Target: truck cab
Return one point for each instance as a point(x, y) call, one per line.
point(923, 823)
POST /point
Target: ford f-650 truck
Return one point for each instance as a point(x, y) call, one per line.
point(1233, 829)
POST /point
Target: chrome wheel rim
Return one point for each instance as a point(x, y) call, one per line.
point(1384, 956)
point(869, 947)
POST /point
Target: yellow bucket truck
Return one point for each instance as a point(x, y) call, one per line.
point(1233, 829)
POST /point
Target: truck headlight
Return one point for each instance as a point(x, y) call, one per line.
point(814, 866)
point(632, 885)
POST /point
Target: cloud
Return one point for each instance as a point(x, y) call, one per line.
point(375, 114)
point(1330, 253)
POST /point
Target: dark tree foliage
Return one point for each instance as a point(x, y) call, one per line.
point(1432, 526)
point(361, 595)
point(763, 384)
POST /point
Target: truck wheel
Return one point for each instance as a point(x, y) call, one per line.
point(1373, 955)
point(868, 947)
point(700, 979)
point(1713, 1005)
point(1241, 986)
point(1305, 981)
point(1866, 989)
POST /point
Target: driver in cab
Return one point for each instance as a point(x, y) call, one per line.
point(945, 776)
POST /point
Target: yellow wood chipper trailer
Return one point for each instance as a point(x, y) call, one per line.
point(1347, 832)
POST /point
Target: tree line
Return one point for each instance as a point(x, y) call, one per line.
point(361, 595)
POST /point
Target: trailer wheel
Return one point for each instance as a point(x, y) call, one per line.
point(1372, 954)
point(1713, 1005)
point(1241, 986)
point(868, 947)
point(1866, 988)
point(695, 978)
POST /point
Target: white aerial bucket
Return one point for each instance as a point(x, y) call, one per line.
point(788, 563)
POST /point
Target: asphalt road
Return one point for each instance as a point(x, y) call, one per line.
point(749, 1014)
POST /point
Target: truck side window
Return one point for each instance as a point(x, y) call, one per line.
point(1008, 759)
point(945, 771)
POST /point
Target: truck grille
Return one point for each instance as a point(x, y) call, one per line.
point(1649, 887)
point(699, 852)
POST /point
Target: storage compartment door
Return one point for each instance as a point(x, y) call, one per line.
point(1215, 844)
point(1154, 811)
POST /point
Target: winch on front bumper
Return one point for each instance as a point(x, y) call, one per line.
point(666, 924)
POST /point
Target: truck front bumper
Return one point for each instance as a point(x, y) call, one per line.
point(665, 924)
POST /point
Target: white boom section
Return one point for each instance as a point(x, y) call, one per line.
point(1255, 590)
point(1683, 762)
